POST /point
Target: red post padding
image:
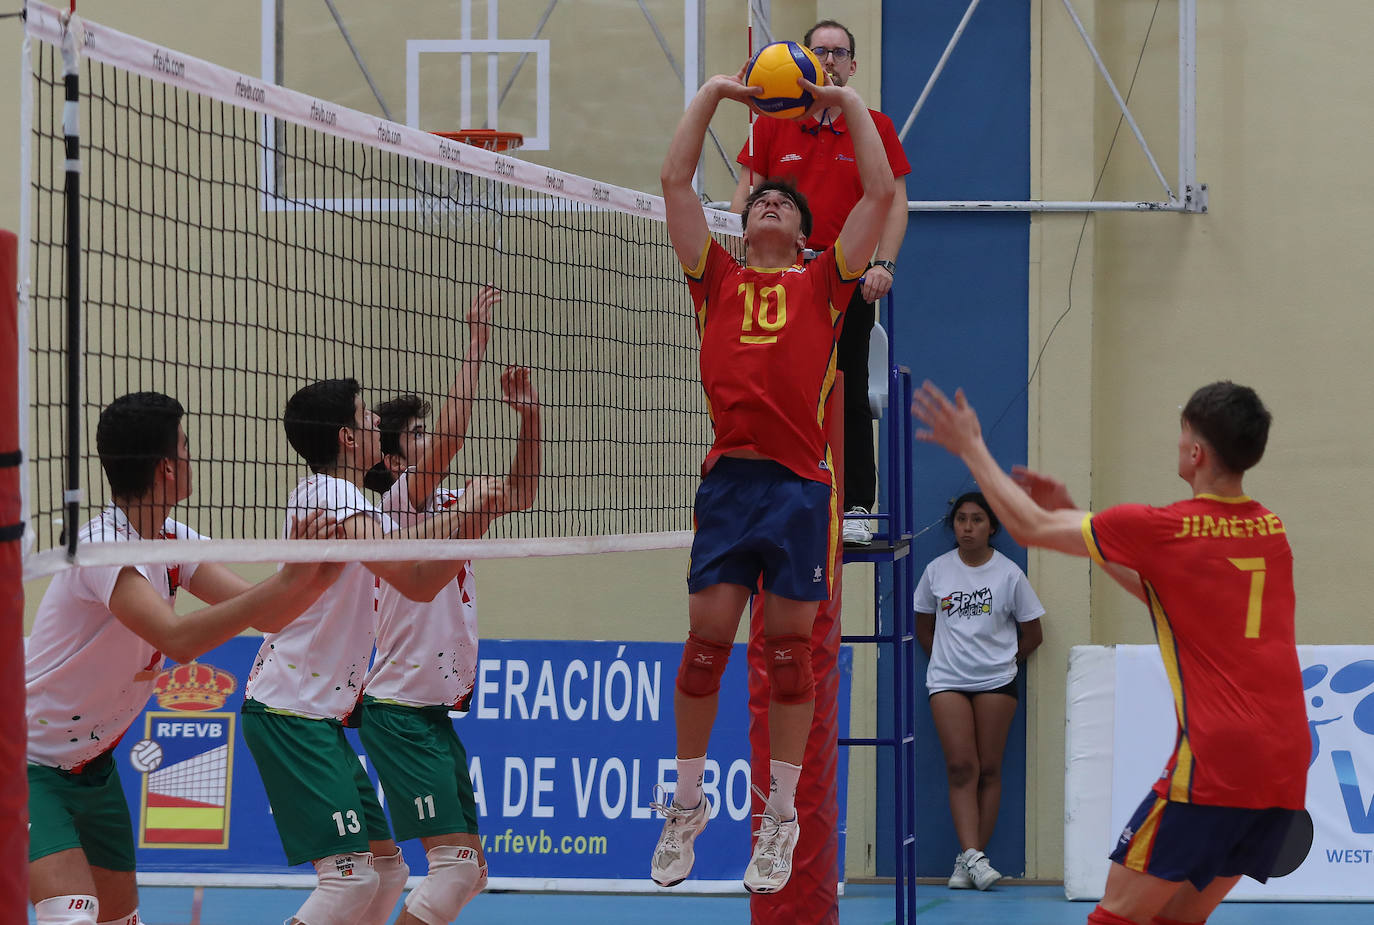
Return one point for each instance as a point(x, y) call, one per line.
point(14, 790)
point(810, 897)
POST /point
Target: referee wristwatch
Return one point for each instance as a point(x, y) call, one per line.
point(888, 265)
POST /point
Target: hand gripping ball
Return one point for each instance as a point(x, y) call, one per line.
point(775, 70)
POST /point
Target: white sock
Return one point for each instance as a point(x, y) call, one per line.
point(782, 789)
point(690, 772)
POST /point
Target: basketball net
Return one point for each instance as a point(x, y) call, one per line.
point(453, 197)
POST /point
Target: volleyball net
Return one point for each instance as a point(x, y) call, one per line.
point(238, 240)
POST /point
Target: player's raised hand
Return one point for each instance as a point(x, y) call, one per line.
point(517, 389)
point(822, 97)
point(487, 494)
point(1045, 490)
point(479, 312)
point(734, 88)
point(952, 424)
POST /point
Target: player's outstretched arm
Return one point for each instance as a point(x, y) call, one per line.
point(517, 390)
point(686, 221)
point(864, 226)
point(954, 426)
point(281, 598)
point(451, 425)
point(1052, 494)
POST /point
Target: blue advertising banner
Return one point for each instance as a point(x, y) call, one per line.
point(567, 743)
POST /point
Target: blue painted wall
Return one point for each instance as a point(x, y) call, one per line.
point(961, 302)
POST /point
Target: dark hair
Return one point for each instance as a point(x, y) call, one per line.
point(977, 498)
point(392, 417)
point(135, 433)
point(1233, 421)
point(394, 414)
point(313, 417)
point(788, 190)
point(832, 24)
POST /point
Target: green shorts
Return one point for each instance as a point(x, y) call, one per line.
point(322, 802)
point(85, 810)
point(423, 768)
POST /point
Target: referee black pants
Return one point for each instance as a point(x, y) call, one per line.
point(860, 473)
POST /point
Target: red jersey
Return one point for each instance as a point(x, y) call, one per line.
point(768, 354)
point(819, 159)
point(1218, 575)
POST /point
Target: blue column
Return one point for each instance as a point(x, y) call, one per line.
point(961, 285)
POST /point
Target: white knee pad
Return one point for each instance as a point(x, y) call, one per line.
point(66, 910)
point(130, 919)
point(391, 874)
point(346, 885)
point(454, 877)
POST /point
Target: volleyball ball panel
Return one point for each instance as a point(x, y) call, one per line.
point(775, 70)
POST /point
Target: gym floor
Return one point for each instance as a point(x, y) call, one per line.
point(862, 904)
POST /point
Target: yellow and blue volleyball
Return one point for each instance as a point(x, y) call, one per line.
point(775, 70)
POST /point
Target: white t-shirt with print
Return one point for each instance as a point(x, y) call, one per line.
point(426, 652)
point(315, 666)
point(976, 612)
point(87, 675)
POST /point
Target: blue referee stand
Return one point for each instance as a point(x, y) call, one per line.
point(895, 633)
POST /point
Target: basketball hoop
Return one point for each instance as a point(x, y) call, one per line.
point(450, 195)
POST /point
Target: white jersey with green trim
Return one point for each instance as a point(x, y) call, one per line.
point(426, 652)
point(87, 675)
point(316, 665)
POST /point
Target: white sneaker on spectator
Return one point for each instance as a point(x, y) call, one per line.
point(771, 865)
point(674, 856)
point(857, 531)
point(960, 880)
point(980, 870)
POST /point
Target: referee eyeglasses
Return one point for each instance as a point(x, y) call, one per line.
point(840, 53)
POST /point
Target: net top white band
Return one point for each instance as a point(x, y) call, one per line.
point(154, 62)
point(51, 561)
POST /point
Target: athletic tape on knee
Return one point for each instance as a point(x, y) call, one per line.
point(130, 919)
point(789, 668)
point(703, 663)
point(347, 883)
point(66, 910)
point(392, 872)
point(454, 877)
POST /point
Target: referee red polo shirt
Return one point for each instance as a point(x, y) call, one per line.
point(819, 159)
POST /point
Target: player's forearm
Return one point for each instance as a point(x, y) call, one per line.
point(874, 171)
point(283, 597)
point(1128, 579)
point(524, 468)
point(1023, 518)
point(746, 175)
point(894, 226)
point(684, 151)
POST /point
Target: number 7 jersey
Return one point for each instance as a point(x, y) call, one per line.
point(1218, 578)
point(768, 341)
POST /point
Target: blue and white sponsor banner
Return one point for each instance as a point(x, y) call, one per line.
point(1339, 687)
point(567, 743)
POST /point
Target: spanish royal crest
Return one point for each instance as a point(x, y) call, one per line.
point(186, 757)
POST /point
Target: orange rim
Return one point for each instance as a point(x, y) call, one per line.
point(488, 138)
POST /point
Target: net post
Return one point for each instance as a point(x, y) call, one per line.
point(72, 36)
point(811, 896)
point(14, 891)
